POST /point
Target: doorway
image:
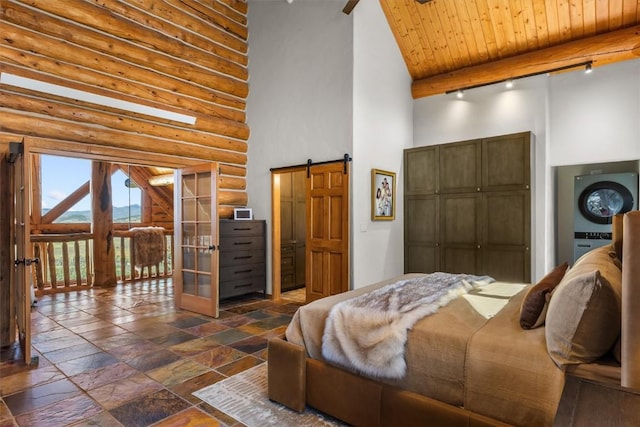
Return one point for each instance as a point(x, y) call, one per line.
point(293, 195)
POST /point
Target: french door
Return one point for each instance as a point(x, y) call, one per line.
point(19, 250)
point(196, 239)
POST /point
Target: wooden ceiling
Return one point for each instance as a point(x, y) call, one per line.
point(452, 44)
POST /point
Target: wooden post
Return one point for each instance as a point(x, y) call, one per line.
point(104, 266)
point(7, 323)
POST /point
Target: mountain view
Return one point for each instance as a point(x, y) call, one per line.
point(120, 214)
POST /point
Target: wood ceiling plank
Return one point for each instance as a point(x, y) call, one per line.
point(564, 19)
point(477, 32)
point(576, 16)
point(589, 17)
point(602, 16)
point(461, 23)
point(487, 28)
point(448, 33)
point(552, 21)
point(530, 28)
point(419, 45)
point(438, 37)
point(515, 14)
point(501, 21)
point(629, 12)
point(542, 30)
point(615, 14)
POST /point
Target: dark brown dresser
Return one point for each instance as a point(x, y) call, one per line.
point(242, 257)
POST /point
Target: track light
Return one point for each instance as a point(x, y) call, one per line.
point(508, 84)
point(460, 94)
point(587, 68)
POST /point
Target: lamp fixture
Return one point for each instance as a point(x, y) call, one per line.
point(106, 101)
point(509, 82)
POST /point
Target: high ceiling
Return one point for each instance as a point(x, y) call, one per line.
point(452, 44)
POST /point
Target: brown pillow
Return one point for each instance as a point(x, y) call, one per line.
point(534, 305)
point(583, 319)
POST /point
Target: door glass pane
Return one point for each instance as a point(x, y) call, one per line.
point(204, 285)
point(204, 260)
point(188, 234)
point(188, 209)
point(188, 283)
point(204, 184)
point(204, 231)
point(189, 258)
point(188, 185)
point(204, 209)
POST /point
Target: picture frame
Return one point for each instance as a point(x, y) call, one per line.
point(383, 190)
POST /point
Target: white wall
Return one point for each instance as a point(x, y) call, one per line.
point(382, 128)
point(300, 91)
point(322, 84)
point(576, 118)
point(595, 118)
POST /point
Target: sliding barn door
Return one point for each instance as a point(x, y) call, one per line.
point(196, 239)
point(327, 254)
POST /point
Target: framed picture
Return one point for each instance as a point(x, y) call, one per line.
point(383, 189)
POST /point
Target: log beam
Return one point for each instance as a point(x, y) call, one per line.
point(601, 49)
point(37, 125)
point(102, 225)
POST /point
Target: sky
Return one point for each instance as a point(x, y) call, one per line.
point(61, 176)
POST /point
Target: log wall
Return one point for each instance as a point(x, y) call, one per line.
point(185, 56)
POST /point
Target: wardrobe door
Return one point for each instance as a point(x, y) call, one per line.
point(506, 162)
point(459, 167)
point(460, 233)
point(421, 170)
point(506, 237)
point(422, 211)
point(422, 251)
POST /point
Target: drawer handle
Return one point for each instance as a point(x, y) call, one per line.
point(243, 271)
point(242, 229)
point(243, 257)
point(241, 243)
point(246, 285)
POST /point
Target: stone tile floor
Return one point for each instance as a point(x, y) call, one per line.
point(125, 356)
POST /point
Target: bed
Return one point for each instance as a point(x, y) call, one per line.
point(467, 368)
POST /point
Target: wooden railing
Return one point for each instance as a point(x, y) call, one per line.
point(66, 261)
point(125, 259)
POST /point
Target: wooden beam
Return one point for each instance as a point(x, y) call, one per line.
point(601, 49)
point(80, 112)
point(104, 261)
point(31, 124)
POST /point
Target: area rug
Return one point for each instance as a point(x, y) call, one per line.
point(244, 397)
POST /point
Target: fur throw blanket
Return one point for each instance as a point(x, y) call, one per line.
point(148, 245)
point(368, 333)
